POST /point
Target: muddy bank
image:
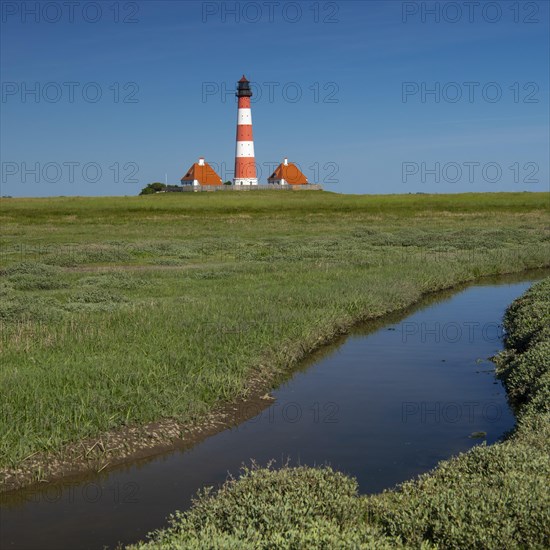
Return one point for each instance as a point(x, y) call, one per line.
point(132, 443)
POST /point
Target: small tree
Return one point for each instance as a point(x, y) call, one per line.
point(153, 188)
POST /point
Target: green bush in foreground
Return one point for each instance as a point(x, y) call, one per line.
point(490, 497)
point(288, 508)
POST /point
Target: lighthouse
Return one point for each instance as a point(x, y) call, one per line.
point(245, 166)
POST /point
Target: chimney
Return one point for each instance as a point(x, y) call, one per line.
point(201, 161)
point(285, 162)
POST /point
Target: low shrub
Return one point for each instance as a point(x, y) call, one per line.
point(125, 281)
point(286, 508)
point(37, 282)
point(29, 268)
point(97, 296)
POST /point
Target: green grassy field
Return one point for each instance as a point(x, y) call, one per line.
point(491, 497)
point(122, 311)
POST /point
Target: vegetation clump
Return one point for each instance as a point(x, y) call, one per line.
point(158, 187)
point(285, 508)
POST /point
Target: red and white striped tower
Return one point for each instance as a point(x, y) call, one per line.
point(245, 165)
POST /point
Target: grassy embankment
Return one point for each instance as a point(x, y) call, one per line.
point(118, 312)
point(490, 497)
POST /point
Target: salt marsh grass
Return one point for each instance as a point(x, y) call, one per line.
point(123, 311)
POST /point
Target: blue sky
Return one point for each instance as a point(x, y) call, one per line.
point(350, 100)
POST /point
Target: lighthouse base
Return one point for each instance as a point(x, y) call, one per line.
point(245, 181)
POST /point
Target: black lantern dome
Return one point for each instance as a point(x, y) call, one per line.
point(243, 88)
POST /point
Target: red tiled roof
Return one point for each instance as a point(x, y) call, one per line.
point(290, 173)
point(204, 174)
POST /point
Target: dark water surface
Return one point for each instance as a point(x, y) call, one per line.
point(383, 404)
